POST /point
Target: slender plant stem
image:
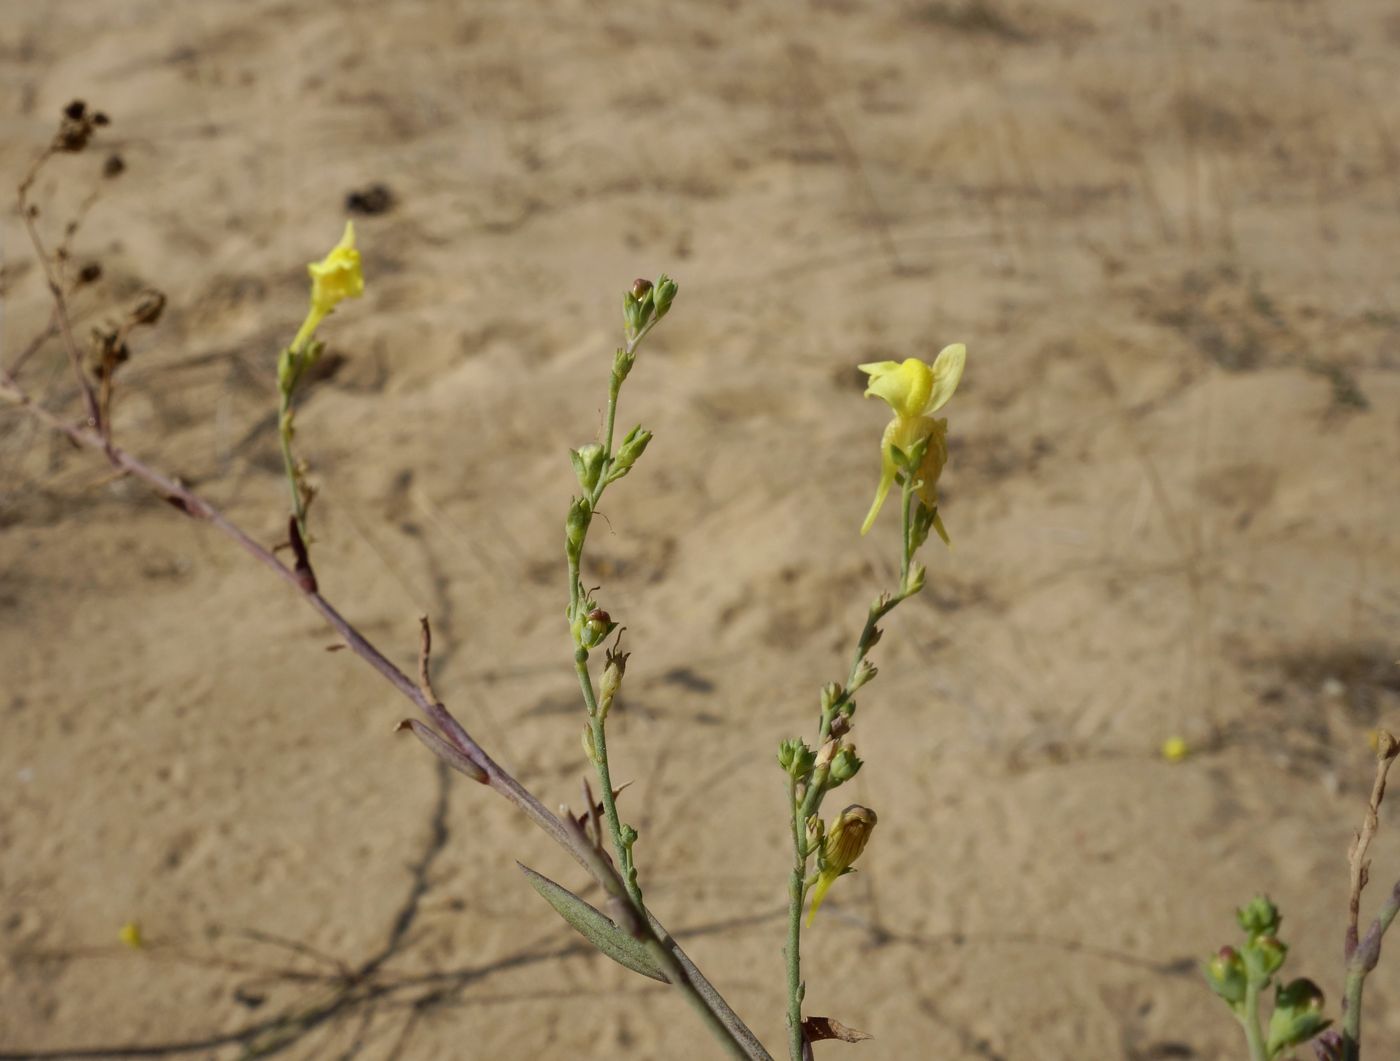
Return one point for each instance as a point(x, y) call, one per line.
point(793, 953)
point(731, 1031)
point(598, 734)
point(289, 464)
point(614, 388)
point(722, 1021)
point(718, 1015)
point(810, 802)
point(1351, 1013)
point(906, 531)
point(60, 303)
point(1250, 1020)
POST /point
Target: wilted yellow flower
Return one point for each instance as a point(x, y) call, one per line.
point(130, 934)
point(845, 840)
point(1174, 749)
point(334, 278)
point(914, 390)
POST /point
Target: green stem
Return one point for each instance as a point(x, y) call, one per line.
point(600, 762)
point(614, 387)
point(817, 784)
point(1363, 958)
point(723, 1023)
point(575, 587)
point(796, 893)
point(308, 328)
point(1351, 1013)
point(284, 430)
point(907, 529)
point(659, 943)
point(1250, 1020)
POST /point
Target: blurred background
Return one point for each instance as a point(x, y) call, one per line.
point(1166, 232)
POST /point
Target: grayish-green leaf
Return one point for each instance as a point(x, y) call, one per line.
point(594, 926)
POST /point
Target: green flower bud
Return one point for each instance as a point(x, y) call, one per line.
point(1297, 1015)
point(864, 673)
point(844, 765)
point(1264, 956)
point(622, 365)
point(593, 628)
point(664, 294)
point(588, 465)
point(576, 526)
point(611, 681)
point(1226, 976)
point(286, 371)
point(831, 692)
point(796, 758)
point(637, 309)
point(787, 751)
point(633, 445)
point(1259, 918)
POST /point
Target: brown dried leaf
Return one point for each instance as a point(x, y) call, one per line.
point(815, 1029)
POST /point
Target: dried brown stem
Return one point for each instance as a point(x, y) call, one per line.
point(60, 303)
point(425, 656)
point(1359, 864)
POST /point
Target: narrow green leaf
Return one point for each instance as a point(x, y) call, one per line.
point(594, 926)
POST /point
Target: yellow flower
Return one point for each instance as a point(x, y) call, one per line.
point(337, 276)
point(845, 840)
point(130, 934)
point(334, 278)
point(1174, 749)
point(914, 390)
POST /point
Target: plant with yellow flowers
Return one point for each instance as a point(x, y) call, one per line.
point(334, 278)
point(912, 455)
point(913, 451)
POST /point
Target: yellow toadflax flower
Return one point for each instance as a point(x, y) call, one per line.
point(334, 278)
point(915, 390)
point(845, 840)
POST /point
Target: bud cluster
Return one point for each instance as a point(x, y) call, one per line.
point(646, 302)
point(1235, 975)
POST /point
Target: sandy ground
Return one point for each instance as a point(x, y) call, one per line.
point(1166, 232)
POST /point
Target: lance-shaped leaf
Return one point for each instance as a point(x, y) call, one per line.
point(452, 756)
point(594, 926)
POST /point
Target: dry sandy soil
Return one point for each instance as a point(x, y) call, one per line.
point(1166, 232)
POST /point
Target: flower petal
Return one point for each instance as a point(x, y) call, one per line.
point(906, 388)
point(947, 370)
point(878, 368)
